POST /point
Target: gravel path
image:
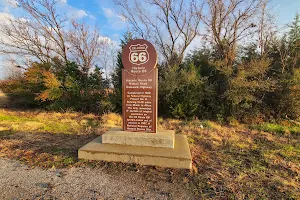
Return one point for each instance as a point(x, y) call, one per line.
point(18, 181)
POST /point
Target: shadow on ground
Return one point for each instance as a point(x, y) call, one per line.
point(3, 100)
point(42, 149)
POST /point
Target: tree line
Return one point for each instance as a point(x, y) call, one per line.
point(246, 70)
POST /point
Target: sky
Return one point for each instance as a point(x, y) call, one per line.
point(285, 11)
point(106, 15)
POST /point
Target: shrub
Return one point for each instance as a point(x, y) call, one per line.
point(60, 88)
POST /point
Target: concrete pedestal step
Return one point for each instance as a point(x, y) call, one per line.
point(163, 138)
point(177, 157)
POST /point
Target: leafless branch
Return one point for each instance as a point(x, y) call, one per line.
point(171, 24)
point(229, 22)
point(45, 34)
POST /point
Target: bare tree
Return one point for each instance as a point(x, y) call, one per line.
point(109, 52)
point(283, 51)
point(105, 60)
point(266, 28)
point(229, 22)
point(85, 44)
point(45, 34)
point(40, 35)
point(171, 24)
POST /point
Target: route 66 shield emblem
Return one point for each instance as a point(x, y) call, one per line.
point(138, 54)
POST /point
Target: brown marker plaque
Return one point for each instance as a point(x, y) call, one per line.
point(139, 83)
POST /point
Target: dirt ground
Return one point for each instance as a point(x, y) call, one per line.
point(18, 181)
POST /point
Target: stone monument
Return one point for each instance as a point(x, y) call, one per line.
point(139, 81)
point(139, 141)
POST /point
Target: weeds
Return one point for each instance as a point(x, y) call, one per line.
point(228, 162)
point(277, 128)
point(68, 123)
point(240, 163)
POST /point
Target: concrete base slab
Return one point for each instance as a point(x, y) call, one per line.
point(163, 138)
point(179, 157)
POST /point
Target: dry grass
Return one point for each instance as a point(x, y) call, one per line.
point(111, 120)
point(46, 139)
point(228, 162)
point(51, 122)
point(238, 163)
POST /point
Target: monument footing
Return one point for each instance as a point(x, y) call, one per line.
point(163, 138)
point(177, 157)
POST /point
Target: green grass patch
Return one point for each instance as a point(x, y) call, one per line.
point(69, 123)
point(211, 125)
point(57, 127)
point(9, 118)
point(277, 128)
point(68, 161)
point(290, 152)
point(295, 130)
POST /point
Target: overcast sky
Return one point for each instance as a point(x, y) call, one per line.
point(105, 14)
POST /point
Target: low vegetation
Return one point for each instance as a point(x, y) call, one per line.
point(240, 163)
point(229, 162)
point(277, 128)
